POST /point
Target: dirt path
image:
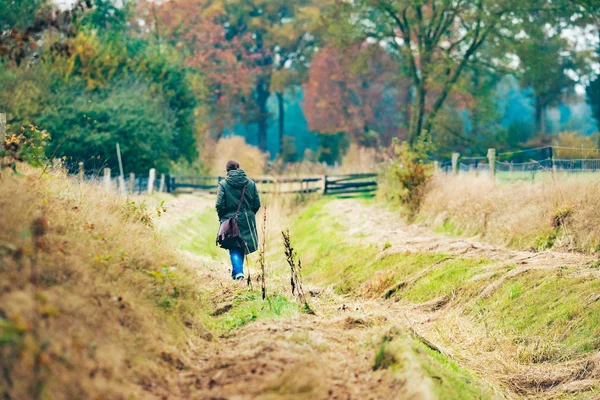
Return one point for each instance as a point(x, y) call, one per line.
point(311, 357)
point(325, 356)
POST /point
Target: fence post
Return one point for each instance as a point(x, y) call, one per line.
point(491, 155)
point(107, 183)
point(2, 129)
point(131, 182)
point(552, 160)
point(168, 183)
point(455, 157)
point(151, 178)
point(81, 172)
point(122, 187)
point(161, 187)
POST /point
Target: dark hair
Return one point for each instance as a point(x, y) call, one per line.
point(232, 165)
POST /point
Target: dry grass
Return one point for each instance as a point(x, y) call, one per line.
point(360, 159)
point(251, 159)
point(92, 305)
point(552, 212)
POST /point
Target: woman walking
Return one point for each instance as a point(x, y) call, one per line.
point(237, 197)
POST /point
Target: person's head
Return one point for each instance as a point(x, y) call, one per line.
point(232, 165)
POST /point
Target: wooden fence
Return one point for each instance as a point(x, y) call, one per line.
point(328, 185)
point(340, 185)
point(350, 184)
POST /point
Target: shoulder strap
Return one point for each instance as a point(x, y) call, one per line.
point(241, 200)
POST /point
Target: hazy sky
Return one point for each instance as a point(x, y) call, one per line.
point(64, 3)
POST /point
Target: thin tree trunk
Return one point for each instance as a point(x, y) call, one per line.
point(262, 95)
point(540, 120)
point(281, 105)
point(417, 115)
point(408, 110)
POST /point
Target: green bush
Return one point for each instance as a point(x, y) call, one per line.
point(27, 146)
point(407, 176)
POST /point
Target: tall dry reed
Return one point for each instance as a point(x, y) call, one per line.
point(559, 211)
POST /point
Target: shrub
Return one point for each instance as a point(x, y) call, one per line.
point(251, 159)
point(359, 159)
point(27, 146)
point(407, 176)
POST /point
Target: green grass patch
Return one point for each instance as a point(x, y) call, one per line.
point(401, 354)
point(450, 380)
point(448, 227)
point(561, 309)
point(197, 234)
point(248, 307)
point(373, 275)
point(329, 257)
point(443, 280)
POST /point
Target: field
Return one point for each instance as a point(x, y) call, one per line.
point(112, 299)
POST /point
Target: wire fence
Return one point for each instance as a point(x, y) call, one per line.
point(528, 161)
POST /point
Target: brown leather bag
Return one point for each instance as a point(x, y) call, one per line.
point(229, 232)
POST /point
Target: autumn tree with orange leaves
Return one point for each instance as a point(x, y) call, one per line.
point(440, 40)
point(357, 91)
point(247, 50)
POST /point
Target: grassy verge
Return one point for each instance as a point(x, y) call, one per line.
point(92, 303)
point(410, 359)
point(550, 318)
point(196, 234)
point(370, 270)
point(553, 212)
point(536, 318)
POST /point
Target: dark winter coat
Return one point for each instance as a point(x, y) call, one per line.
point(228, 198)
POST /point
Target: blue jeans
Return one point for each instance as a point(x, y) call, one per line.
point(237, 261)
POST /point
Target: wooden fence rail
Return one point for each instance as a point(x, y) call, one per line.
point(330, 185)
point(148, 183)
point(350, 184)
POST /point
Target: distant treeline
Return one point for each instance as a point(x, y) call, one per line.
point(166, 81)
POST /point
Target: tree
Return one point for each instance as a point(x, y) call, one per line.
point(110, 86)
point(549, 66)
point(263, 39)
point(280, 33)
point(438, 39)
point(593, 94)
point(18, 14)
point(223, 81)
point(25, 24)
point(356, 91)
point(127, 112)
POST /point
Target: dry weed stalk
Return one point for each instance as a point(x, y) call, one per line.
point(261, 256)
point(296, 271)
point(39, 228)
